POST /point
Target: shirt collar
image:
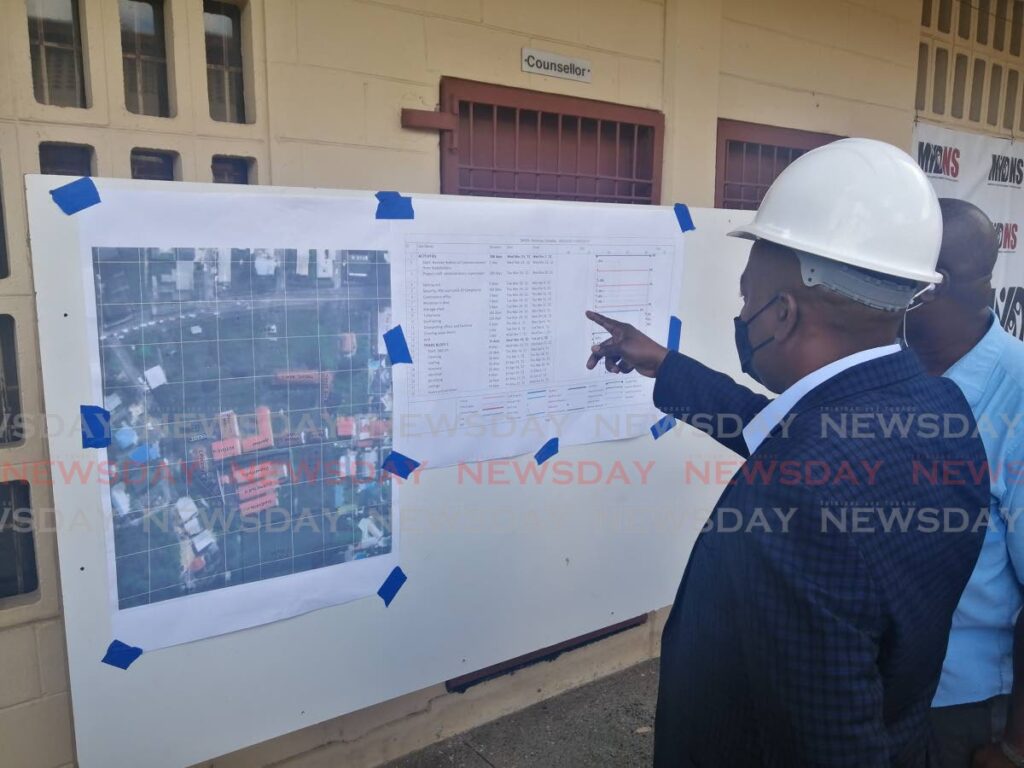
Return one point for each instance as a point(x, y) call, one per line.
point(971, 372)
point(764, 422)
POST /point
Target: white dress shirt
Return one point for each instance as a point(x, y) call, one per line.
point(761, 425)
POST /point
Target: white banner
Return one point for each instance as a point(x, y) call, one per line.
point(989, 172)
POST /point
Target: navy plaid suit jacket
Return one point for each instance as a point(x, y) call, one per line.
point(820, 643)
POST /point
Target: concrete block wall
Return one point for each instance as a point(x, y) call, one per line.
point(35, 709)
point(326, 81)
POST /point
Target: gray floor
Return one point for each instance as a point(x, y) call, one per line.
point(605, 723)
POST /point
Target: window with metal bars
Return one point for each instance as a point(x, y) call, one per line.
point(751, 156)
point(144, 54)
point(224, 76)
point(970, 66)
point(511, 142)
point(18, 575)
point(232, 170)
point(65, 159)
point(55, 45)
point(153, 164)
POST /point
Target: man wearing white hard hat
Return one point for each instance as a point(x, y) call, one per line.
point(819, 642)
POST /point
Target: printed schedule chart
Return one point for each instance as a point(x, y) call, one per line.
point(498, 330)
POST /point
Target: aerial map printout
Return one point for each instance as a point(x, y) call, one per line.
point(250, 407)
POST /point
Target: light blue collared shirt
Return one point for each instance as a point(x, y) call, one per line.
point(759, 427)
point(979, 657)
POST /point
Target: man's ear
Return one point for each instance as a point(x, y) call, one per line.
point(787, 313)
point(940, 289)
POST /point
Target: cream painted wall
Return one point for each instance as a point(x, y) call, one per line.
point(847, 67)
point(350, 134)
point(327, 80)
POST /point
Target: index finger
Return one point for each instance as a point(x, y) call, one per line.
point(605, 322)
point(607, 348)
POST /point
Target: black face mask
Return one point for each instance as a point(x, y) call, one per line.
point(743, 347)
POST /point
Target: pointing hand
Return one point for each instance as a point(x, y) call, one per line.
point(626, 349)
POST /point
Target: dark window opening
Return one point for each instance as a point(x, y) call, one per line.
point(939, 82)
point(922, 76)
point(1010, 108)
point(984, 14)
point(959, 86)
point(995, 87)
point(223, 25)
point(5, 265)
point(18, 574)
point(55, 44)
point(512, 142)
point(232, 170)
point(945, 15)
point(11, 427)
point(65, 159)
point(153, 164)
point(751, 156)
point(977, 90)
point(964, 24)
point(1002, 14)
point(1016, 24)
point(144, 54)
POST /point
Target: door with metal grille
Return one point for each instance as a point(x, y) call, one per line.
point(510, 142)
point(751, 156)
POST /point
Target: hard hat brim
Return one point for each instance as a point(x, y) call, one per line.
point(754, 232)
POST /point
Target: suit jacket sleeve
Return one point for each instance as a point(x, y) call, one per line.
point(707, 400)
point(814, 628)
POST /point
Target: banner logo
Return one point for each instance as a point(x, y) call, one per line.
point(937, 160)
point(1006, 170)
point(1008, 303)
point(1007, 234)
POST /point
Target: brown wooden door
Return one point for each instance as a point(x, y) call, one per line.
point(511, 142)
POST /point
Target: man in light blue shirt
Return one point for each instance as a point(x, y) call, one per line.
point(956, 334)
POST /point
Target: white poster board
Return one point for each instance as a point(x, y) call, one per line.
point(500, 561)
point(989, 172)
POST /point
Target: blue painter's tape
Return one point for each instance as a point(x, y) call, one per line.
point(391, 585)
point(683, 217)
point(76, 196)
point(549, 449)
point(400, 465)
point(398, 350)
point(675, 332)
point(121, 655)
point(662, 425)
point(391, 205)
point(95, 426)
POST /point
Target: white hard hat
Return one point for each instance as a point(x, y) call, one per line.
point(859, 202)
